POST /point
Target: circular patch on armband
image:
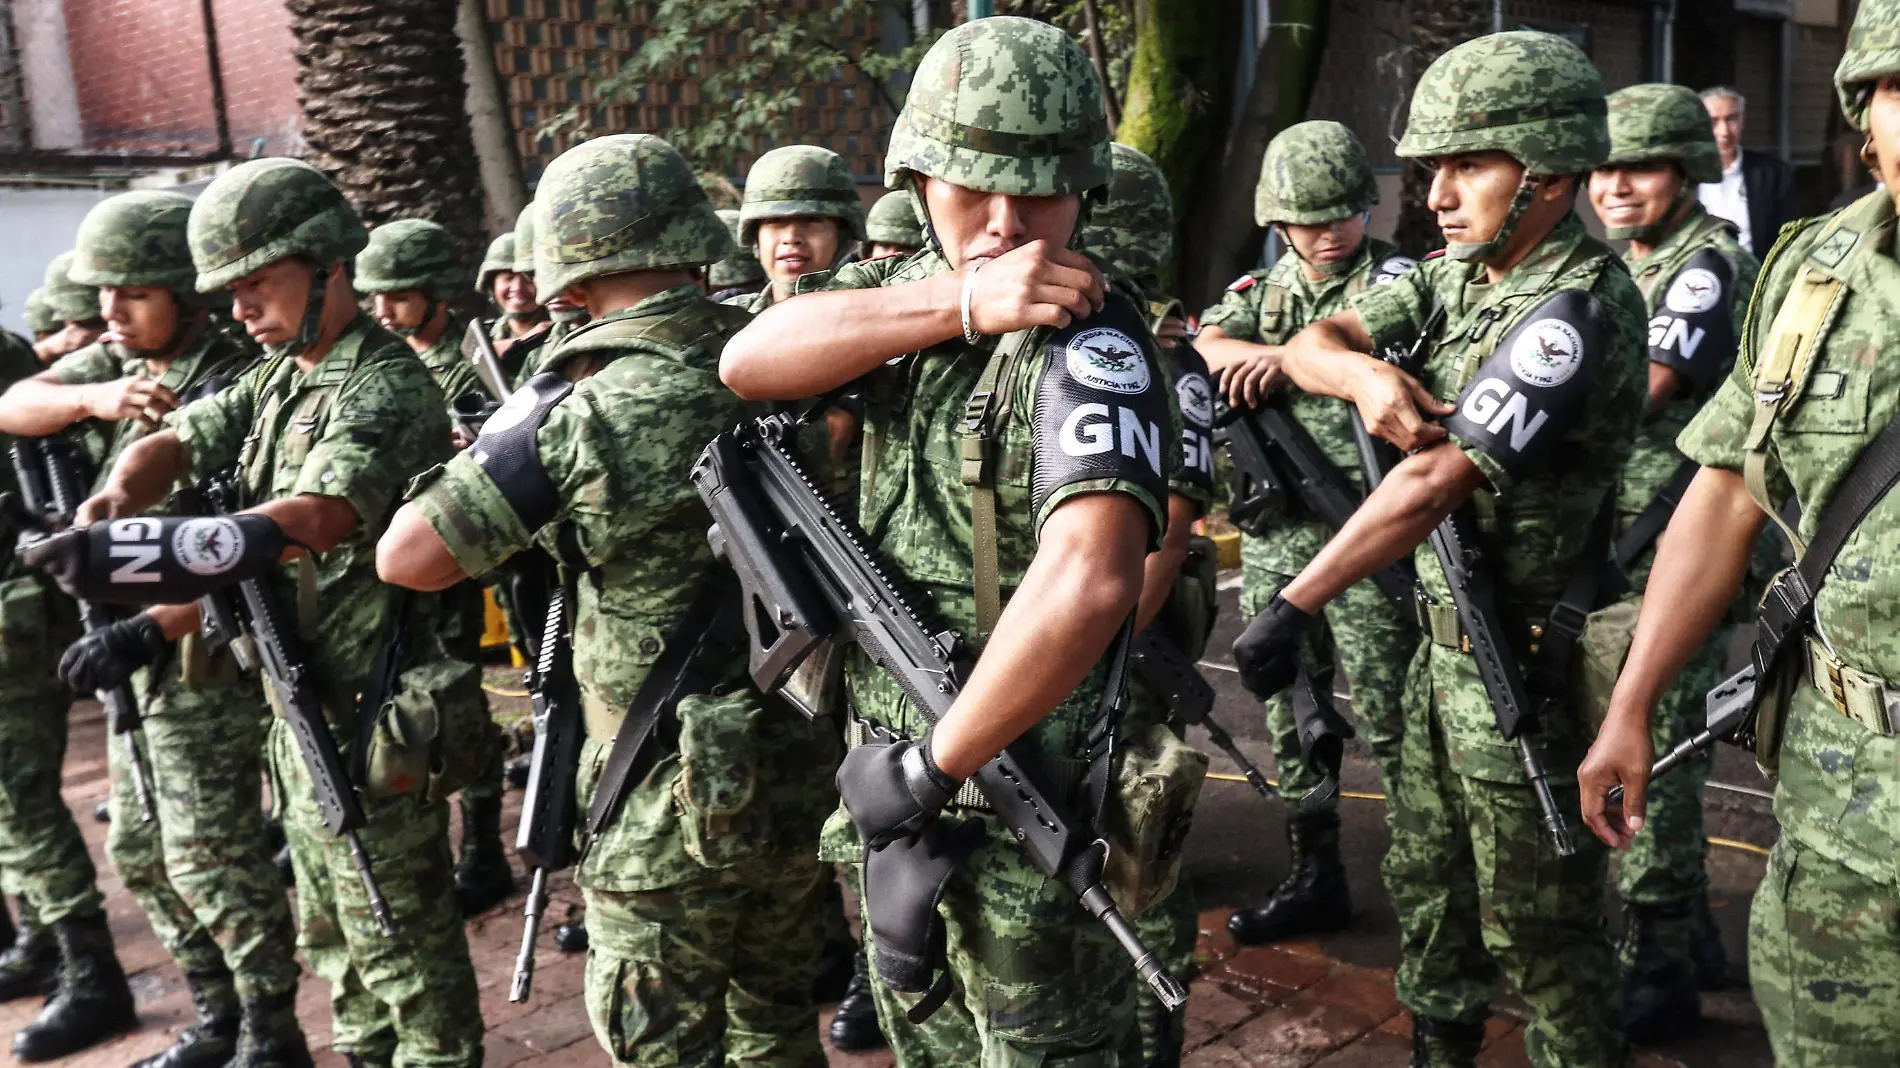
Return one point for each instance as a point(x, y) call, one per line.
point(208, 546)
point(1694, 290)
point(518, 406)
point(1105, 358)
point(1547, 353)
point(1197, 399)
point(1391, 267)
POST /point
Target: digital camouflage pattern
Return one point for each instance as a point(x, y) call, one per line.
point(135, 239)
point(1662, 121)
point(69, 301)
point(1819, 954)
point(499, 257)
point(655, 217)
point(453, 374)
point(1533, 95)
point(264, 210)
point(1314, 172)
point(893, 221)
point(1003, 105)
point(524, 240)
point(740, 266)
point(703, 892)
point(410, 254)
point(1133, 229)
point(801, 182)
point(1478, 888)
point(39, 315)
point(1873, 49)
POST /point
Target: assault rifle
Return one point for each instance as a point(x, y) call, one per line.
point(545, 840)
point(50, 490)
point(1730, 709)
point(808, 577)
point(487, 362)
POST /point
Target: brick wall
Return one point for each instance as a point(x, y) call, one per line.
point(260, 77)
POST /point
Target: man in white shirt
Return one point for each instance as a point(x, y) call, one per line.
point(1756, 192)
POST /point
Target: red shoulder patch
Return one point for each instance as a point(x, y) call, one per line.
point(1433, 254)
point(1242, 284)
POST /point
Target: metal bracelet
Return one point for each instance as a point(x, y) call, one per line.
point(969, 285)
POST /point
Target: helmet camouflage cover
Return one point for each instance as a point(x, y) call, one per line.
point(265, 210)
point(893, 221)
point(1003, 105)
point(1133, 230)
point(625, 202)
point(136, 239)
point(524, 240)
point(1532, 95)
point(1314, 172)
point(801, 182)
point(65, 298)
point(410, 254)
point(39, 318)
point(1658, 121)
point(499, 257)
point(741, 265)
point(1873, 50)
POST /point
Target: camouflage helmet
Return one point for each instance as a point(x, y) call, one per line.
point(1873, 50)
point(1314, 172)
point(70, 301)
point(265, 210)
point(624, 202)
point(524, 240)
point(893, 221)
point(1532, 95)
point(499, 257)
point(410, 254)
point(741, 265)
point(39, 317)
point(1133, 230)
point(1003, 105)
point(1664, 122)
point(136, 239)
point(801, 182)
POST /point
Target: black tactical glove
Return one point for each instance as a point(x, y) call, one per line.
point(903, 882)
point(893, 790)
point(1268, 651)
point(108, 656)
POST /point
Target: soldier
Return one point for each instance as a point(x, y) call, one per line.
point(322, 436)
point(702, 911)
point(800, 215)
point(74, 306)
point(411, 269)
point(1003, 183)
point(202, 870)
point(739, 274)
point(1695, 276)
point(892, 228)
point(1809, 391)
point(40, 320)
point(564, 316)
point(511, 291)
point(1541, 331)
point(1317, 187)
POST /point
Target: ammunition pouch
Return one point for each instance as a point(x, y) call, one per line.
point(1158, 780)
point(721, 747)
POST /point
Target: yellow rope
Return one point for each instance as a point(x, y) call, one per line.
point(499, 692)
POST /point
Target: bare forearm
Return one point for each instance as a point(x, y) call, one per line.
point(175, 620)
point(1161, 569)
point(35, 407)
point(1328, 358)
point(1221, 351)
point(314, 522)
point(148, 469)
point(410, 553)
point(820, 341)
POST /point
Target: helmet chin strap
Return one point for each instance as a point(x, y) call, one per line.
point(1481, 251)
point(428, 315)
point(312, 325)
point(1651, 233)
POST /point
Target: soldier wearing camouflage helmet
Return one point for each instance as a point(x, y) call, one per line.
point(1004, 120)
point(1821, 947)
point(1695, 276)
point(702, 911)
point(800, 215)
point(1529, 333)
point(1316, 187)
point(322, 437)
point(531, 350)
point(739, 274)
point(200, 869)
point(75, 306)
point(512, 293)
point(40, 320)
point(410, 270)
point(892, 228)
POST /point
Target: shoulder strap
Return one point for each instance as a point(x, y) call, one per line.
point(1875, 471)
point(1593, 582)
point(1649, 523)
point(978, 472)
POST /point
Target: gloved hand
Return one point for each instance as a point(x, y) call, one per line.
point(1268, 651)
point(893, 791)
point(108, 656)
point(903, 882)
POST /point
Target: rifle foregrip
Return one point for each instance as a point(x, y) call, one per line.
point(1539, 779)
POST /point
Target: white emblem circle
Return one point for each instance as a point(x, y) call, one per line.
point(1106, 358)
point(1197, 399)
point(208, 546)
point(1547, 353)
point(1391, 268)
point(1694, 290)
point(512, 412)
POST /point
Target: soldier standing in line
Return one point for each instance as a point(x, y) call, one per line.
point(892, 228)
point(801, 215)
point(74, 306)
point(512, 294)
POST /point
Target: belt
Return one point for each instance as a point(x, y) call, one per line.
point(1443, 628)
point(1060, 776)
point(1865, 699)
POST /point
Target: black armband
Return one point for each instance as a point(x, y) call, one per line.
point(1194, 392)
point(508, 450)
point(1535, 384)
point(1389, 268)
point(152, 560)
point(1693, 329)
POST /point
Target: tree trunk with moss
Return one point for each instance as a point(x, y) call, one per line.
point(1436, 27)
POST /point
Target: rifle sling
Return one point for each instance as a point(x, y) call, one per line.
point(1649, 523)
point(380, 685)
point(1595, 579)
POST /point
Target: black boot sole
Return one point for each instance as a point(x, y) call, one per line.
point(99, 1028)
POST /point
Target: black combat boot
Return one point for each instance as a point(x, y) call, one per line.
point(92, 1002)
point(1662, 999)
point(1711, 960)
point(855, 1026)
point(30, 964)
point(1440, 1043)
point(1314, 898)
point(483, 878)
point(269, 1036)
point(213, 1040)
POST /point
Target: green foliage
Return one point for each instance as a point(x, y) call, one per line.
point(1115, 19)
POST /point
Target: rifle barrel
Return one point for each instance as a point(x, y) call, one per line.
point(379, 907)
point(523, 983)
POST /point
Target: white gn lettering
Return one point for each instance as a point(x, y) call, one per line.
point(1496, 406)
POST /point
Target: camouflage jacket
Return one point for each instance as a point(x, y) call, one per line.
point(35, 617)
point(453, 373)
point(1549, 471)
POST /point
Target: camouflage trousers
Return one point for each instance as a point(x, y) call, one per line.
point(409, 1001)
point(1664, 864)
point(41, 849)
point(202, 870)
point(1037, 980)
point(1482, 895)
point(1372, 641)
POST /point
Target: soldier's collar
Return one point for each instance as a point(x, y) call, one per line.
point(1692, 232)
point(1548, 259)
point(341, 359)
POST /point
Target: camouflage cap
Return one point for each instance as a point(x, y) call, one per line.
point(1533, 95)
point(265, 210)
point(39, 317)
point(893, 221)
point(1003, 105)
point(801, 182)
point(1659, 121)
point(741, 265)
point(625, 202)
point(410, 254)
point(1133, 230)
point(1314, 172)
point(70, 301)
point(1873, 49)
point(499, 257)
point(136, 239)
point(524, 240)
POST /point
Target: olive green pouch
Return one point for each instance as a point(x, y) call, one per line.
point(1598, 660)
point(719, 779)
point(1158, 779)
point(434, 736)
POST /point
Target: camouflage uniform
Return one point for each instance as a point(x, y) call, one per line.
point(1479, 889)
point(356, 426)
point(1823, 951)
point(739, 273)
point(700, 914)
point(1037, 981)
point(893, 221)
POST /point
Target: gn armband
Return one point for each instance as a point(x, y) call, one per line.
point(1693, 330)
point(508, 450)
point(1535, 384)
point(152, 560)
